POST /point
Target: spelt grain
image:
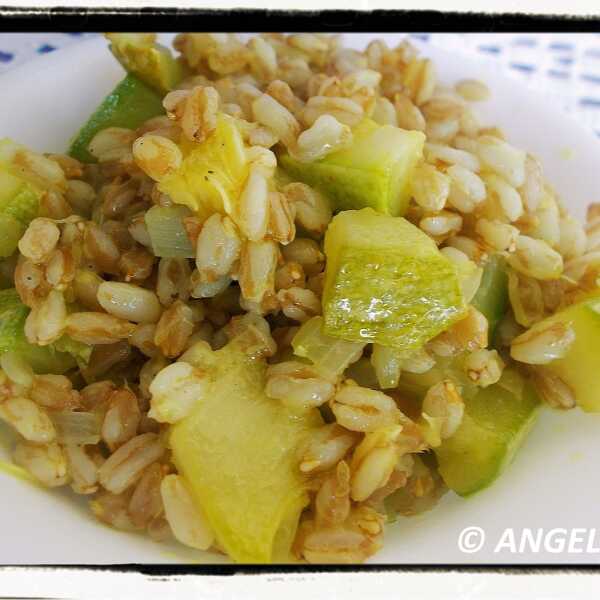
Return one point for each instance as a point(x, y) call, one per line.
point(536, 258)
point(129, 302)
point(324, 136)
point(290, 275)
point(121, 419)
point(275, 116)
point(502, 158)
point(552, 389)
point(97, 328)
point(174, 329)
point(47, 463)
point(332, 502)
point(543, 343)
point(452, 156)
point(83, 470)
point(258, 263)
point(526, 298)
point(326, 447)
point(299, 304)
point(28, 419)
point(111, 143)
point(467, 190)
point(444, 401)
point(188, 523)
point(17, 369)
point(136, 264)
point(47, 322)
point(157, 156)
point(361, 409)
point(175, 390)
point(218, 248)
point(408, 115)
point(125, 466)
point(430, 188)
point(484, 367)
point(343, 110)
point(146, 501)
point(39, 240)
point(101, 249)
point(497, 235)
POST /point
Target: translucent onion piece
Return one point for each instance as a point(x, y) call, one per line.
point(167, 233)
point(330, 356)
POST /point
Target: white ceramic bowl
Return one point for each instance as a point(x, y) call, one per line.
point(554, 481)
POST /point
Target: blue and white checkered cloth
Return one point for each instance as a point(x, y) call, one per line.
point(565, 67)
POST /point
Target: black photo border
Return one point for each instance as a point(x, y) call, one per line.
point(85, 19)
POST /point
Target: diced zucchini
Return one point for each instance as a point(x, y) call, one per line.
point(494, 425)
point(237, 451)
point(78, 350)
point(55, 358)
point(386, 282)
point(415, 385)
point(44, 359)
point(167, 233)
point(580, 367)
point(7, 267)
point(130, 104)
point(491, 298)
point(374, 171)
point(10, 234)
point(213, 172)
point(141, 56)
point(19, 204)
point(19, 198)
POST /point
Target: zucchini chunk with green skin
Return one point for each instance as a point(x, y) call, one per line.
point(415, 385)
point(491, 298)
point(130, 104)
point(386, 282)
point(10, 234)
point(374, 171)
point(237, 451)
point(19, 204)
point(141, 56)
point(495, 423)
point(55, 358)
point(580, 367)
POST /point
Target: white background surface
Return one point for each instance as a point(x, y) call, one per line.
point(553, 483)
point(89, 585)
point(565, 68)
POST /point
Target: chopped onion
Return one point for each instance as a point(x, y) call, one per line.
point(79, 428)
point(167, 233)
point(330, 355)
